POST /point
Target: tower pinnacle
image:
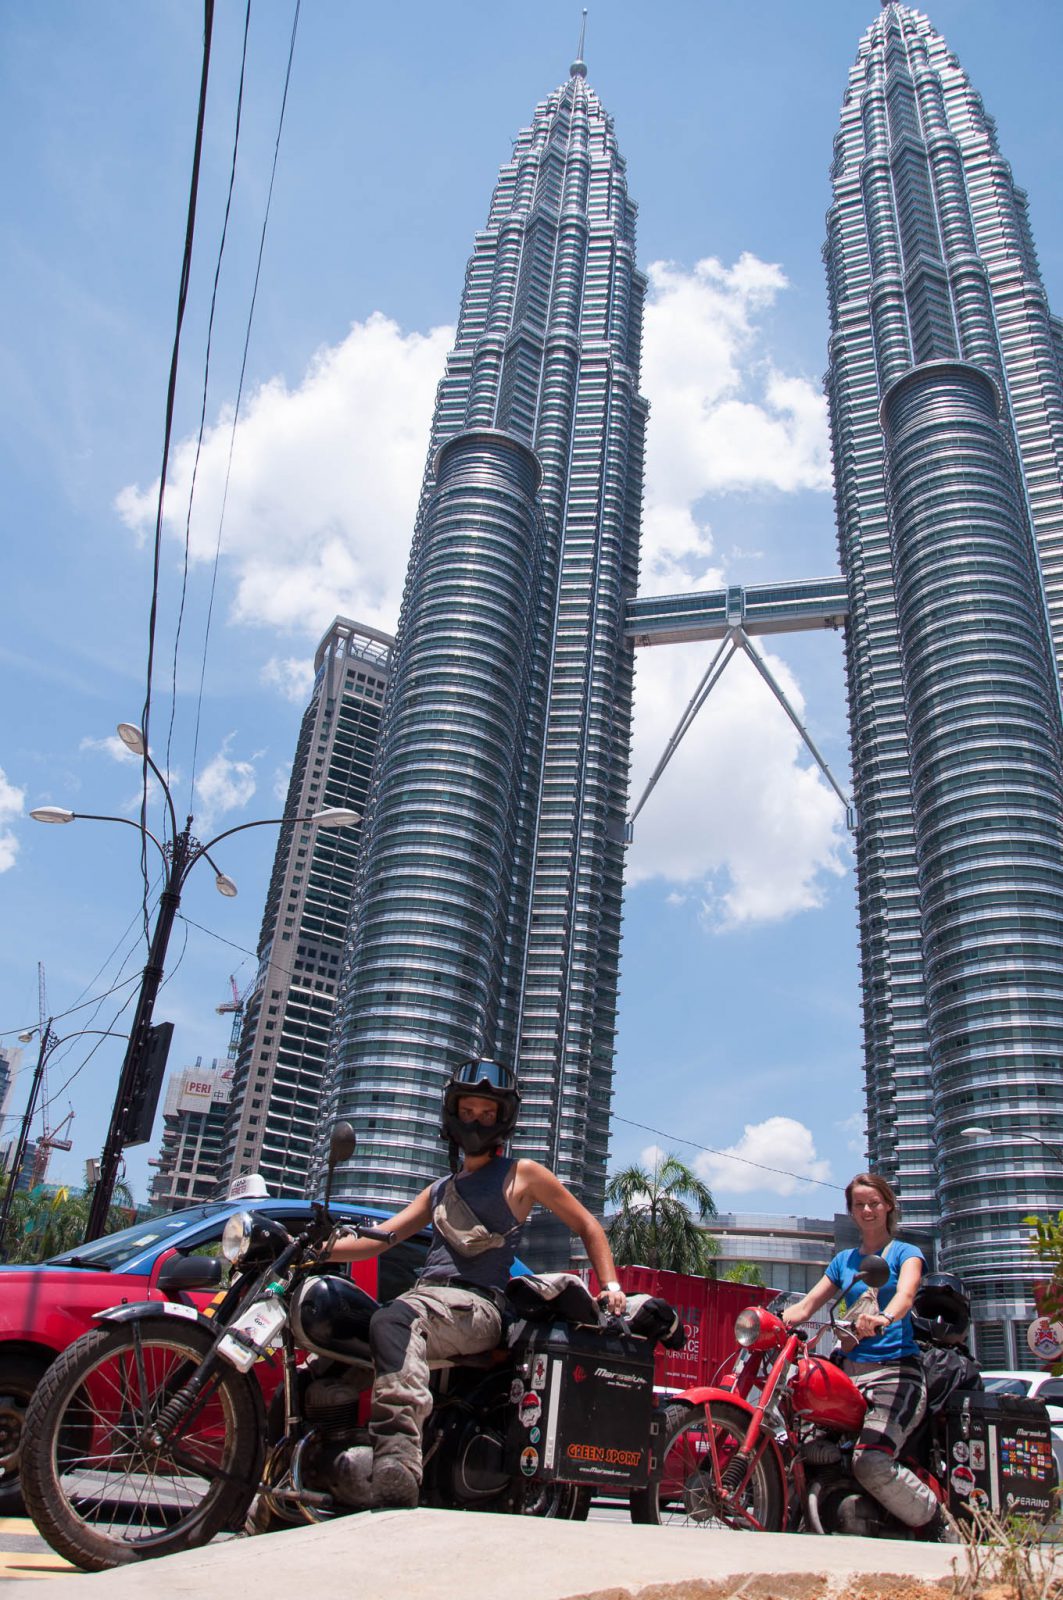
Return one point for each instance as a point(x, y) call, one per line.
point(578, 68)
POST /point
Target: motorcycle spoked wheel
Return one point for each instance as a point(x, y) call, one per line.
point(682, 1492)
point(97, 1492)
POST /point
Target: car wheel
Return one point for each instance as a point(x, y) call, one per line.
point(19, 1376)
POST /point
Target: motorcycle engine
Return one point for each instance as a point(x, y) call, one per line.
point(332, 1403)
point(821, 1452)
point(478, 1472)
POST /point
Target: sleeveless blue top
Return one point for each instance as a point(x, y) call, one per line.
point(482, 1192)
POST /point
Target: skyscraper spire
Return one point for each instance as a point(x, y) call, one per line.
point(578, 68)
point(488, 898)
point(946, 410)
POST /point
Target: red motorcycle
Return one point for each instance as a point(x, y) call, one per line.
point(769, 1446)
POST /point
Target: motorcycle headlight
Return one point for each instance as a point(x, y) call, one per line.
point(747, 1326)
point(236, 1237)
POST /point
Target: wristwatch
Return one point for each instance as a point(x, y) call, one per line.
point(612, 1288)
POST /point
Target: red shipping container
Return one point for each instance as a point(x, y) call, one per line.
point(708, 1309)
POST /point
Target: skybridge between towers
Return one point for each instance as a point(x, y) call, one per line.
point(761, 608)
point(735, 616)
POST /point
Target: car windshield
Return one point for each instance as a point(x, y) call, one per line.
point(1005, 1385)
point(114, 1250)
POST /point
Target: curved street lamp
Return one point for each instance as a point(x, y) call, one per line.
point(179, 855)
point(978, 1132)
point(49, 1042)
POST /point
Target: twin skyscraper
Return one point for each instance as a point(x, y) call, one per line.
point(486, 906)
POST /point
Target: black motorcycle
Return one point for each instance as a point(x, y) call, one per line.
point(151, 1433)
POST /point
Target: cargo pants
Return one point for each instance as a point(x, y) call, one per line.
point(431, 1322)
point(895, 1392)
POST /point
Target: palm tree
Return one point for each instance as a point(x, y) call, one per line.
point(48, 1222)
point(657, 1218)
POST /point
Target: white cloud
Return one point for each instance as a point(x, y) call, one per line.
point(652, 1157)
point(292, 675)
point(779, 1143)
point(324, 485)
point(111, 745)
point(722, 417)
point(855, 1130)
point(739, 816)
point(223, 785)
point(12, 800)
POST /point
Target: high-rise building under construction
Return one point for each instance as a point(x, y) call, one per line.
point(946, 407)
point(487, 912)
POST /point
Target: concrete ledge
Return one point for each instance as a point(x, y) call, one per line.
point(454, 1555)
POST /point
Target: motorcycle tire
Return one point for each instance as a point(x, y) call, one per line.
point(680, 1493)
point(100, 1496)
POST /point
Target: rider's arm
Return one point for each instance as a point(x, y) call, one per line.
point(540, 1184)
point(817, 1296)
point(346, 1247)
point(901, 1303)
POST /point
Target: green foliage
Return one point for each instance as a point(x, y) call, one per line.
point(1046, 1243)
point(657, 1218)
point(744, 1272)
point(49, 1222)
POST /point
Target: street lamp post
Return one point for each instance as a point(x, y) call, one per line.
point(49, 1041)
point(180, 854)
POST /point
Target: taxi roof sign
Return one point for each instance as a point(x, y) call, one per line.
point(252, 1186)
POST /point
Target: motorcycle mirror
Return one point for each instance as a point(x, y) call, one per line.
point(874, 1271)
point(342, 1144)
point(341, 1147)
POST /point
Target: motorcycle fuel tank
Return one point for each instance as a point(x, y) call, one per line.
point(822, 1392)
point(331, 1316)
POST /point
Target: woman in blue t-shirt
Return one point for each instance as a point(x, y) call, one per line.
point(881, 1356)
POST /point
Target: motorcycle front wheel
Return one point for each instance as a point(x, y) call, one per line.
point(683, 1491)
point(97, 1490)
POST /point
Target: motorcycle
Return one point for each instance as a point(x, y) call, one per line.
point(769, 1447)
point(151, 1433)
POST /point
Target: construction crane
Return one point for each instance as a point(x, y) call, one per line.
point(48, 1142)
point(235, 1006)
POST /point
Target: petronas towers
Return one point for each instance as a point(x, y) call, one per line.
point(488, 905)
point(488, 899)
point(946, 407)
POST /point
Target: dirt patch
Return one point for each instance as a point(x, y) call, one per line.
point(892, 1586)
point(785, 1586)
point(688, 1589)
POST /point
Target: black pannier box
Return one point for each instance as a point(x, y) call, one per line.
point(583, 1400)
point(1000, 1455)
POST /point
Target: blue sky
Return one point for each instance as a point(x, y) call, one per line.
point(739, 1024)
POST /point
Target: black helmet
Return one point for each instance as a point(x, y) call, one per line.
point(941, 1312)
point(492, 1081)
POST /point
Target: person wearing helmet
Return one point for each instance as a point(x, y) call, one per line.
point(882, 1357)
point(455, 1308)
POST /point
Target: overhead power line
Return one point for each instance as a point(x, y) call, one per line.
point(240, 389)
point(206, 383)
point(182, 300)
